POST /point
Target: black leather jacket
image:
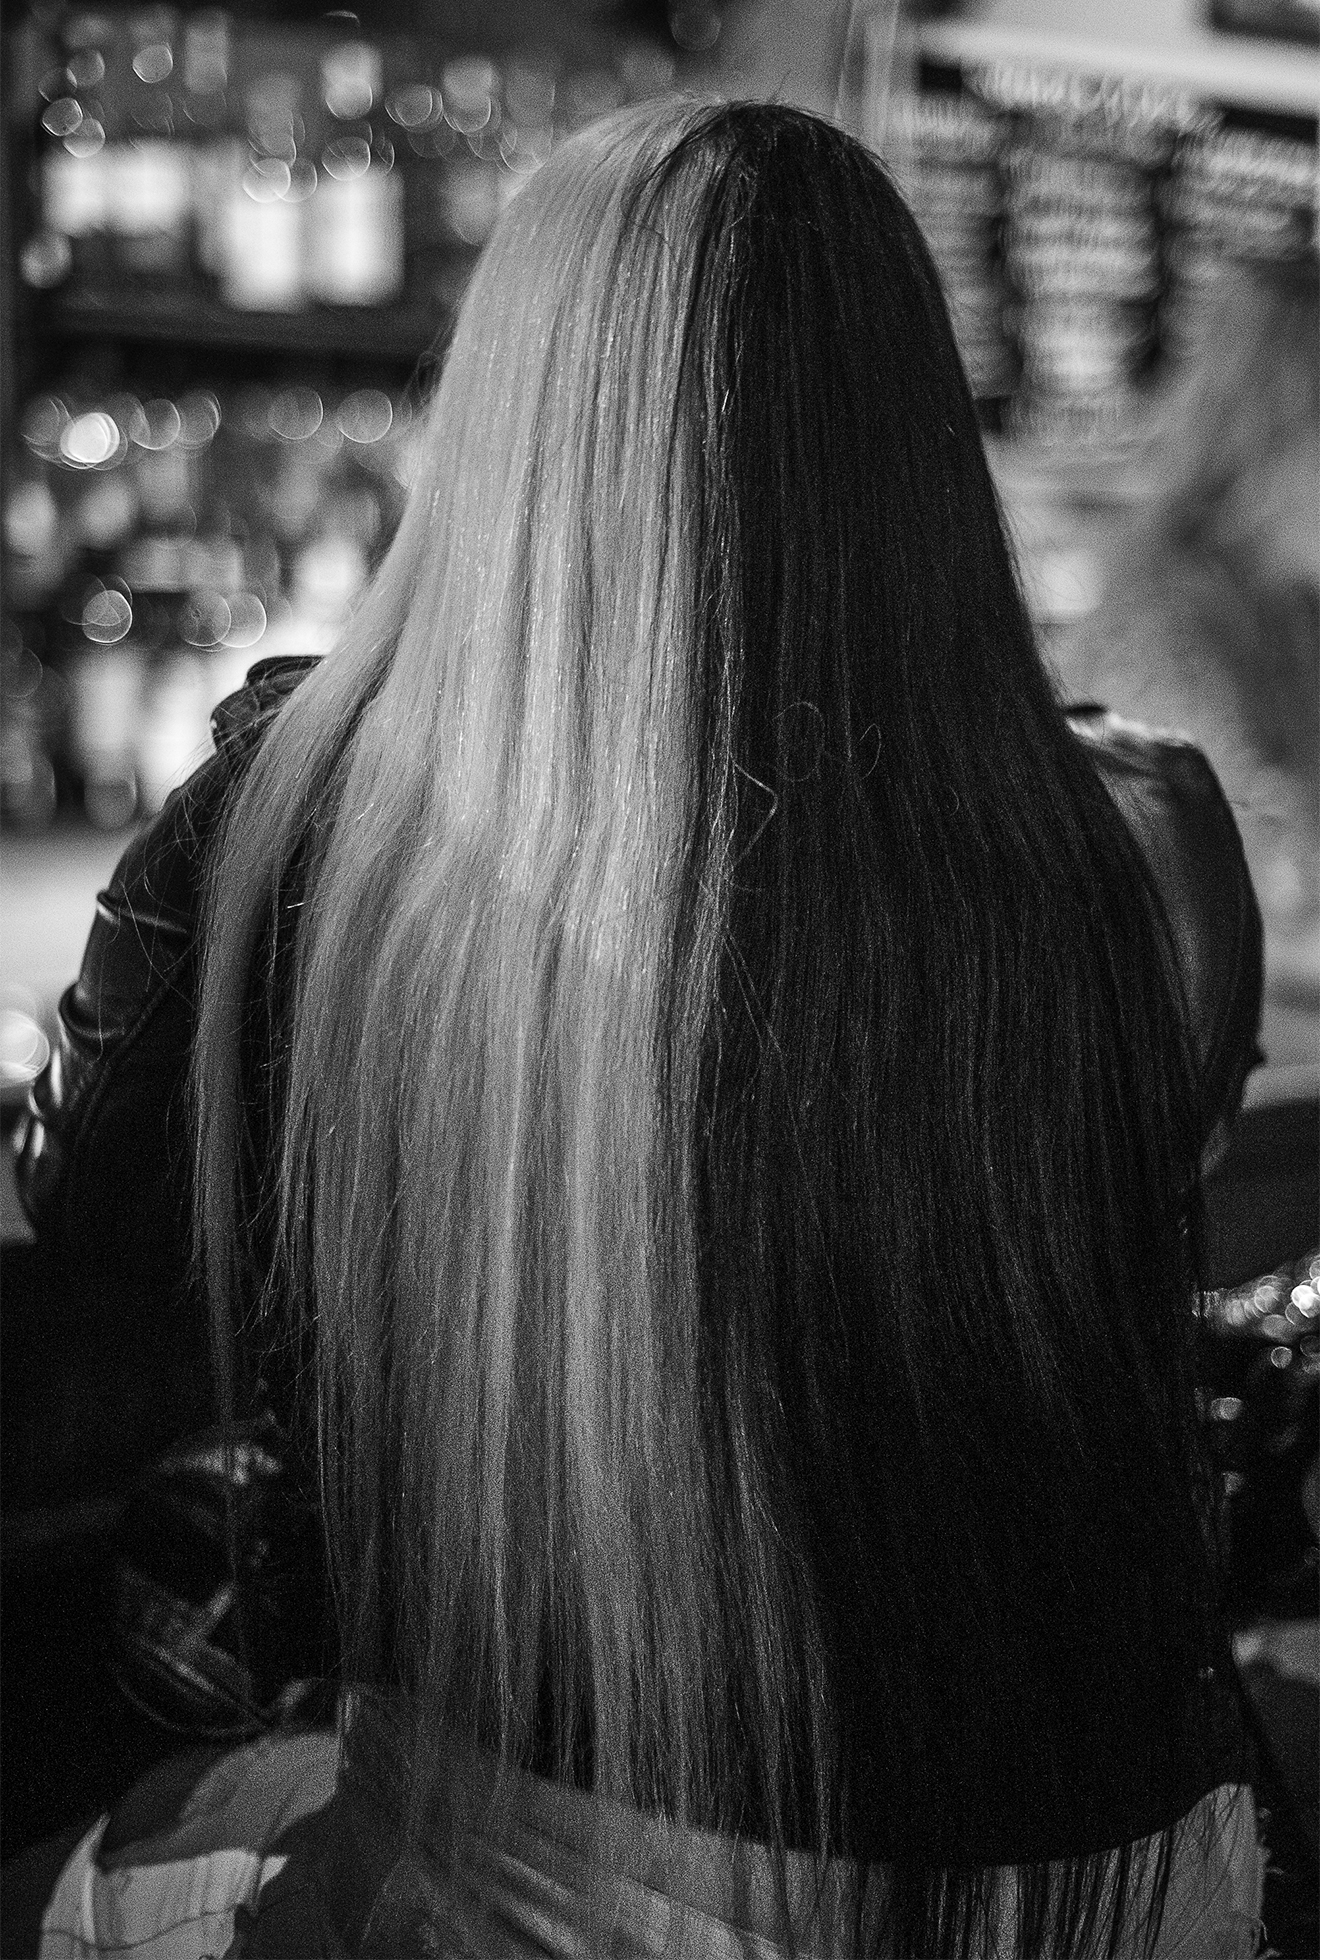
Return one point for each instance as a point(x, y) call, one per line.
point(103, 1160)
point(103, 1154)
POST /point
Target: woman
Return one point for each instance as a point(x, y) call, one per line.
point(700, 1076)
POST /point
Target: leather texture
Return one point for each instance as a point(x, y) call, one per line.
point(103, 1157)
point(1171, 801)
point(133, 998)
point(103, 1160)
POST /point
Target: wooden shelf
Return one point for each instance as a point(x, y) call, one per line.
point(400, 333)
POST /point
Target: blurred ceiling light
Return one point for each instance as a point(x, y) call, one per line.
point(415, 106)
point(44, 421)
point(154, 63)
point(247, 620)
point(107, 616)
point(87, 139)
point(366, 415)
point(296, 413)
point(161, 425)
point(266, 180)
point(199, 418)
point(91, 441)
point(695, 25)
point(62, 117)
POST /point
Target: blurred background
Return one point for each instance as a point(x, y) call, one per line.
point(232, 239)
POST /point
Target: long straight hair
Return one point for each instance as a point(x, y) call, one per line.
point(687, 1048)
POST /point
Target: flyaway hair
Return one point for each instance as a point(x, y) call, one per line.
point(689, 1057)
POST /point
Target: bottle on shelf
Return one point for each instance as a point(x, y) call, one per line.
point(588, 92)
point(214, 143)
point(134, 485)
point(951, 147)
point(295, 453)
point(424, 142)
point(528, 132)
point(1081, 247)
point(150, 595)
point(205, 651)
point(349, 523)
point(164, 469)
point(104, 508)
point(1083, 347)
point(1231, 191)
point(472, 185)
point(35, 548)
point(280, 164)
point(150, 181)
point(75, 166)
point(263, 224)
point(30, 718)
point(38, 537)
point(379, 436)
point(355, 243)
point(158, 544)
point(104, 666)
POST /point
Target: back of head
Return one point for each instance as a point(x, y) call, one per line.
point(725, 1112)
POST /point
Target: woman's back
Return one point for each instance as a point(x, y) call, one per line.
point(693, 1059)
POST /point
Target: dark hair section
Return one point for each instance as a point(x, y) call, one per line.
point(950, 1144)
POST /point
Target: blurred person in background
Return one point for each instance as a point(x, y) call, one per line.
point(700, 1077)
point(1209, 616)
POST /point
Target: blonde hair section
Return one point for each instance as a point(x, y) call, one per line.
point(516, 847)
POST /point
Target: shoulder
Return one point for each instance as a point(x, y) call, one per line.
point(129, 1012)
point(1175, 809)
point(1172, 802)
point(1145, 767)
point(243, 717)
point(160, 874)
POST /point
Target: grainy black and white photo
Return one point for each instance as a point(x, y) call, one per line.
point(660, 980)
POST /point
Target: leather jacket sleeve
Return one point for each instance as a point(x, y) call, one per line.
point(103, 1161)
point(125, 1024)
point(1172, 803)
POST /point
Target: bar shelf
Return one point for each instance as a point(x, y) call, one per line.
point(401, 332)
